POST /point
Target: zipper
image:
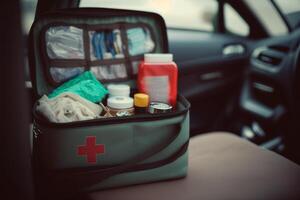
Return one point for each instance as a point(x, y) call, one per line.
point(36, 131)
point(111, 121)
point(94, 12)
point(116, 120)
point(101, 13)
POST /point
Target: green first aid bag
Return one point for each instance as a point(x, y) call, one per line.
point(103, 153)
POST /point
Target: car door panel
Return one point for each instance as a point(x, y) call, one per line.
point(207, 77)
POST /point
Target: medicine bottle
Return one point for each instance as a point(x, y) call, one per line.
point(141, 103)
point(157, 77)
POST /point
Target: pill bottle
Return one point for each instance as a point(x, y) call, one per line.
point(120, 106)
point(157, 77)
point(118, 90)
point(141, 103)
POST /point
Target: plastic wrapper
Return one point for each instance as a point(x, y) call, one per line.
point(110, 72)
point(105, 44)
point(65, 42)
point(59, 74)
point(139, 41)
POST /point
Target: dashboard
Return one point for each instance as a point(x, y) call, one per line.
point(268, 99)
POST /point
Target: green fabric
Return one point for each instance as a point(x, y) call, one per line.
point(86, 85)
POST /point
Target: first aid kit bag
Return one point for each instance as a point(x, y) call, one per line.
point(107, 152)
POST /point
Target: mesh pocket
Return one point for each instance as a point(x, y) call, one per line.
point(65, 42)
point(110, 72)
point(105, 44)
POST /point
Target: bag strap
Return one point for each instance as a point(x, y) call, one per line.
point(162, 162)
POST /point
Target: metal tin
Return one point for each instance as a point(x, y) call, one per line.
point(159, 107)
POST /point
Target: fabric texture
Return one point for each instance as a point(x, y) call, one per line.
point(67, 107)
point(86, 85)
point(221, 166)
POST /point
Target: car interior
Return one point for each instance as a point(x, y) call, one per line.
point(240, 74)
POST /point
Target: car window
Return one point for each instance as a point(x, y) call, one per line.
point(268, 16)
point(291, 10)
point(28, 13)
point(187, 14)
point(288, 6)
point(234, 23)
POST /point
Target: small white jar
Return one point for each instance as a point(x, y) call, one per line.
point(118, 90)
point(120, 106)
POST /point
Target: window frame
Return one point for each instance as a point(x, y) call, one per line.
point(221, 25)
point(257, 30)
point(226, 26)
point(285, 20)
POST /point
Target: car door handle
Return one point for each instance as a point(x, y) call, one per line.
point(211, 75)
point(234, 49)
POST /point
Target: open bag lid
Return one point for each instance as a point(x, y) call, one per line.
point(66, 43)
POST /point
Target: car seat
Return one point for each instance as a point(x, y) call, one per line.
point(221, 166)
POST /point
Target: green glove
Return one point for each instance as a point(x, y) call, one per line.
point(86, 85)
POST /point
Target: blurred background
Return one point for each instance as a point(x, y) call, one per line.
point(187, 14)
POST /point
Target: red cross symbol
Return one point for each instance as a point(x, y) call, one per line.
point(91, 149)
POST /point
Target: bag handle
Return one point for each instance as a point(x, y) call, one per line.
point(84, 178)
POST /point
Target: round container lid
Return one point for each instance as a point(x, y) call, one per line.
point(120, 102)
point(158, 57)
point(159, 107)
point(141, 100)
point(118, 90)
